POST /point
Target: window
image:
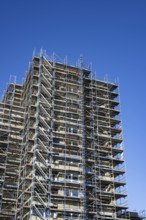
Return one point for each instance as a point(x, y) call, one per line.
point(72, 130)
point(71, 192)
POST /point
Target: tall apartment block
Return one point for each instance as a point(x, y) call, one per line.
point(61, 151)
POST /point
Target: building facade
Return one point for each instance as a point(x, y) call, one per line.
point(61, 147)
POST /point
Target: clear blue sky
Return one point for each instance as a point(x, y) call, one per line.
point(109, 33)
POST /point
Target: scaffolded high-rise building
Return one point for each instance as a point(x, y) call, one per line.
point(61, 151)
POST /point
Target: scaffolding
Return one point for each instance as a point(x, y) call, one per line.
point(134, 215)
point(11, 120)
point(69, 151)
